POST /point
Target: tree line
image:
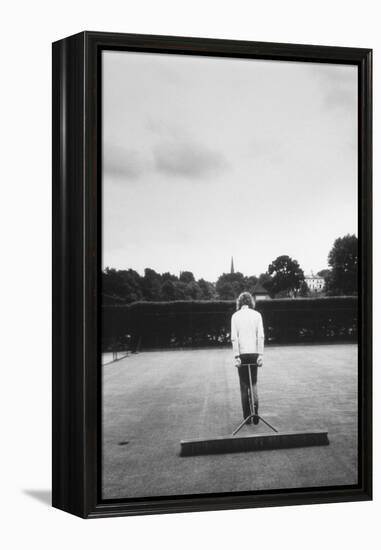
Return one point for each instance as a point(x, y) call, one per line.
point(283, 278)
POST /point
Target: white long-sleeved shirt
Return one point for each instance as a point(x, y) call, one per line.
point(247, 334)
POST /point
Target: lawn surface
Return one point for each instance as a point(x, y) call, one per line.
point(153, 400)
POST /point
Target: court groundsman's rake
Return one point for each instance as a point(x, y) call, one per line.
point(253, 442)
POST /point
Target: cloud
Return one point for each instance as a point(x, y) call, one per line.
point(188, 160)
point(122, 162)
point(174, 159)
point(266, 149)
point(339, 98)
point(338, 85)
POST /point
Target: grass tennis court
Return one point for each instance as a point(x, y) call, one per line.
point(154, 399)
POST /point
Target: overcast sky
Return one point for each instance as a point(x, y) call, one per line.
point(207, 158)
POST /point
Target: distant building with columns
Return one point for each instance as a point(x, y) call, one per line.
point(315, 283)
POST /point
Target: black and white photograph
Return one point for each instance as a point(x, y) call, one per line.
point(229, 275)
point(189, 249)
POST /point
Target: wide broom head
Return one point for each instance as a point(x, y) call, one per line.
point(260, 442)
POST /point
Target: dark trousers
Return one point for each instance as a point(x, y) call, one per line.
point(244, 381)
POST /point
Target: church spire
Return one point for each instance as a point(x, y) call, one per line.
point(232, 266)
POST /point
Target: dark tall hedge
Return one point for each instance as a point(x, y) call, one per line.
point(156, 325)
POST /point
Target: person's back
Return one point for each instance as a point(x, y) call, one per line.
point(247, 338)
point(247, 331)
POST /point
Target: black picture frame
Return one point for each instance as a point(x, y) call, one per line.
point(76, 271)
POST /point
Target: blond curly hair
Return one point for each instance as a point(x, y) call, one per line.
point(245, 299)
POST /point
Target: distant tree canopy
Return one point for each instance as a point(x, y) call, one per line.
point(324, 273)
point(265, 279)
point(230, 285)
point(208, 289)
point(304, 290)
point(286, 276)
point(186, 277)
point(127, 286)
point(343, 261)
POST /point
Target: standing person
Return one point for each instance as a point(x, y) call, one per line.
point(247, 338)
